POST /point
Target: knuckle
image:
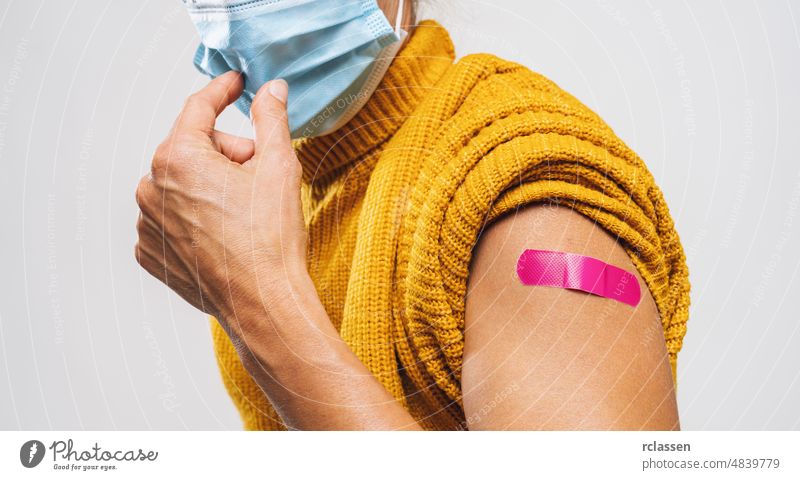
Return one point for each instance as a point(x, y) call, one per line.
point(193, 99)
point(161, 157)
point(141, 225)
point(170, 156)
point(164, 149)
point(141, 192)
point(270, 115)
point(137, 253)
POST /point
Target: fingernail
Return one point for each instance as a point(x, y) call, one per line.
point(279, 89)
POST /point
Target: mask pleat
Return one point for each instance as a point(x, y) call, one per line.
point(324, 49)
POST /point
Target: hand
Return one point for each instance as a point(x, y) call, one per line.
point(221, 221)
point(222, 225)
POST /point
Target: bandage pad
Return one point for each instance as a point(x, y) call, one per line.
point(578, 272)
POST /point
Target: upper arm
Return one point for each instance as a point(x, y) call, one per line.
point(549, 358)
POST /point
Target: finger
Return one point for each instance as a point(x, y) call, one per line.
point(238, 149)
point(270, 121)
point(202, 108)
point(155, 263)
point(147, 255)
point(153, 243)
point(166, 266)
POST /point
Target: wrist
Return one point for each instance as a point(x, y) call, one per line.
point(284, 326)
point(291, 347)
point(252, 292)
point(287, 292)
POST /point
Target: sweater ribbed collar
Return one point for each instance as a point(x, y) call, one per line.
point(417, 66)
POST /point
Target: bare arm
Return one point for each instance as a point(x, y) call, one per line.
point(570, 360)
point(312, 378)
point(201, 231)
point(549, 358)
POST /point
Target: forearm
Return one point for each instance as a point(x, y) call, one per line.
point(210, 184)
point(310, 375)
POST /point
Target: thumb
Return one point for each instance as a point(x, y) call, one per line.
point(271, 122)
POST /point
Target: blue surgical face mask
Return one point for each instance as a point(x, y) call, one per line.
point(333, 53)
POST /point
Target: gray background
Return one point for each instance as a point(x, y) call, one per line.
point(705, 92)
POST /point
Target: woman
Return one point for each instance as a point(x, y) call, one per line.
point(366, 277)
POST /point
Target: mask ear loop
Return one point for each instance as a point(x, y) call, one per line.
point(399, 20)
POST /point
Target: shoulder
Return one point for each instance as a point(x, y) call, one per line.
point(510, 81)
point(499, 101)
point(574, 360)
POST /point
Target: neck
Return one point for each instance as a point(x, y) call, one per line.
point(414, 71)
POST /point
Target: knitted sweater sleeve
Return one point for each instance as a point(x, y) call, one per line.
point(510, 137)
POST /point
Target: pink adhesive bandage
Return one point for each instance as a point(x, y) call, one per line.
point(578, 272)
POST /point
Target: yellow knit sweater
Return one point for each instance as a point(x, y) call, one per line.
point(394, 202)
